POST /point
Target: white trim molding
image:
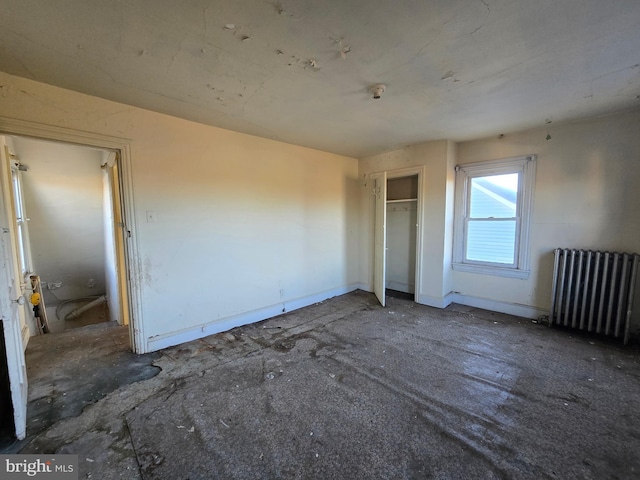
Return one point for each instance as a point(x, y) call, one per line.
point(516, 309)
point(491, 270)
point(437, 302)
point(159, 342)
point(400, 287)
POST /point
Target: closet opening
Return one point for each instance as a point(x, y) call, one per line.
point(401, 232)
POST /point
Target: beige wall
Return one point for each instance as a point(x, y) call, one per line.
point(586, 196)
point(241, 224)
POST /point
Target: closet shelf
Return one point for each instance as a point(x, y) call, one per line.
point(403, 200)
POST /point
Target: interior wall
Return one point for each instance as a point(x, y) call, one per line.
point(231, 228)
point(586, 196)
point(436, 222)
point(402, 188)
point(401, 246)
point(63, 196)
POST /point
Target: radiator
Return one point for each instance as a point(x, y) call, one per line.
point(593, 291)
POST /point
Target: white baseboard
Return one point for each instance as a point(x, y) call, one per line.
point(400, 287)
point(518, 310)
point(438, 302)
point(159, 342)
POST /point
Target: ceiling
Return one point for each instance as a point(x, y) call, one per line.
point(300, 71)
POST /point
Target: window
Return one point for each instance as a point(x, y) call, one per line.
point(492, 216)
point(21, 221)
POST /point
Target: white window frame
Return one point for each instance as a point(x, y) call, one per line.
point(525, 166)
point(22, 229)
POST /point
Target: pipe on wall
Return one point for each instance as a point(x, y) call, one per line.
point(79, 311)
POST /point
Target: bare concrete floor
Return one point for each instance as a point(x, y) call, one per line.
point(347, 389)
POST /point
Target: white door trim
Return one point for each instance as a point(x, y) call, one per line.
point(10, 126)
point(408, 172)
point(380, 237)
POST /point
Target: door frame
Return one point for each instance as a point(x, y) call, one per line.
point(380, 237)
point(128, 230)
point(400, 173)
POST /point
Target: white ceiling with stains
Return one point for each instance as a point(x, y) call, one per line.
point(301, 71)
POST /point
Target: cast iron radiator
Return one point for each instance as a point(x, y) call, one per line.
point(593, 291)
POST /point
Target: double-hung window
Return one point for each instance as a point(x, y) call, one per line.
point(21, 220)
point(492, 216)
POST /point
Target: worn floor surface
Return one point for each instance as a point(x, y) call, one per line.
point(348, 389)
point(95, 315)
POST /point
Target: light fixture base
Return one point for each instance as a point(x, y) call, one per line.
point(377, 90)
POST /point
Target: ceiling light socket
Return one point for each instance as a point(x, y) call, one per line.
point(377, 90)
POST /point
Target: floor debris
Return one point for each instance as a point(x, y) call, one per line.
point(438, 394)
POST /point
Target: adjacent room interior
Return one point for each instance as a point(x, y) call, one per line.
point(67, 206)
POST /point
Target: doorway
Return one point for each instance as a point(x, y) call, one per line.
point(67, 231)
point(397, 232)
point(402, 219)
point(118, 220)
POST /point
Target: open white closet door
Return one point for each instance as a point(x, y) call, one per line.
point(380, 236)
point(11, 299)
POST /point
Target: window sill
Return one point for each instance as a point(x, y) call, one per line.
point(488, 270)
